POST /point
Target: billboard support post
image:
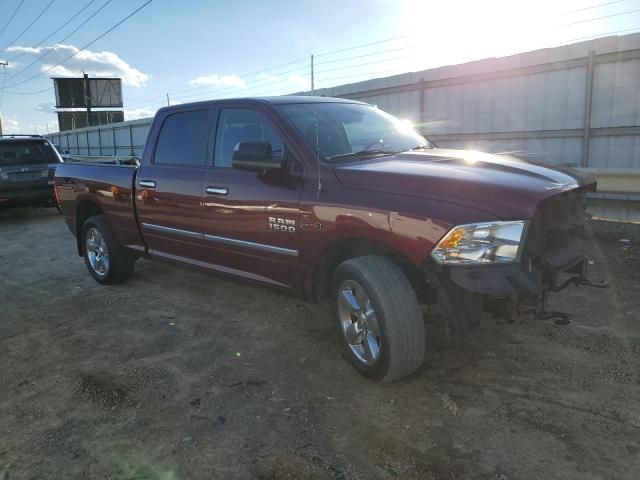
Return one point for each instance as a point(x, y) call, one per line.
point(87, 99)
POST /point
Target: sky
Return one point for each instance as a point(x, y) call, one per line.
point(195, 50)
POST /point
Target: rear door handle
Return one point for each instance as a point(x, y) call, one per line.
point(147, 183)
point(217, 190)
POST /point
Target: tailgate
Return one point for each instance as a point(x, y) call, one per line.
point(25, 178)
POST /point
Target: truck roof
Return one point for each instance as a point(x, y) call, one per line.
point(278, 100)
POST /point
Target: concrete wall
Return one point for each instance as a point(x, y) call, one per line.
point(575, 105)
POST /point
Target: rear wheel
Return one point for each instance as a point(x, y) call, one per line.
point(378, 317)
point(107, 261)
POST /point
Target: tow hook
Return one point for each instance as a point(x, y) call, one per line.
point(588, 283)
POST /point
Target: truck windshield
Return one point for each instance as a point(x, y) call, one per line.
point(339, 131)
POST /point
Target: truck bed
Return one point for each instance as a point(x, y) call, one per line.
point(111, 187)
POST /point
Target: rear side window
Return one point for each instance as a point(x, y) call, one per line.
point(21, 154)
point(242, 125)
point(183, 139)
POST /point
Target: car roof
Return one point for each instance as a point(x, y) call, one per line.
point(22, 138)
point(279, 100)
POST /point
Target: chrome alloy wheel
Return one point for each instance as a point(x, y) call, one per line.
point(359, 322)
point(97, 252)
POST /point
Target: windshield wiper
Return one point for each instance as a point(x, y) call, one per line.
point(422, 147)
point(361, 154)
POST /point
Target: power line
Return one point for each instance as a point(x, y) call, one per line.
point(332, 52)
point(30, 93)
point(591, 7)
point(63, 40)
point(404, 57)
point(11, 17)
point(30, 25)
point(216, 90)
point(253, 82)
point(244, 75)
point(603, 35)
point(380, 72)
point(598, 18)
point(338, 60)
point(87, 45)
point(52, 34)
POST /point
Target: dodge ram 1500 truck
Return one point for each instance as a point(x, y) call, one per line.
point(335, 200)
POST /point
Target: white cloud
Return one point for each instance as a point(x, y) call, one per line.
point(300, 81)
point(10, 125)
point(94, 63)
point(46, 107)
point(138, 113)
point(271, 78)
point(215, 80)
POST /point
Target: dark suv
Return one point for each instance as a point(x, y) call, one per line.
point(27, 167)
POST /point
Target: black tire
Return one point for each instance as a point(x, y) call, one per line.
point(401, 342)
point(120, 261)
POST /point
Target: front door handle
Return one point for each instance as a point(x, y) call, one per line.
point(217, 190)
point(147, 183)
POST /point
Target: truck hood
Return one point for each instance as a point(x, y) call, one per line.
point(501, 185)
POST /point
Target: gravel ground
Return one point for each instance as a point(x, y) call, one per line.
point(179, 374)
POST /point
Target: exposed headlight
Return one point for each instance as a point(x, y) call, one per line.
point(480, 243)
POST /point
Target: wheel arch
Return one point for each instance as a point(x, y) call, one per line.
point(318, 281)
point(86, 209)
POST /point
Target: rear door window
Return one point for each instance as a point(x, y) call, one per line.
point(183, 139)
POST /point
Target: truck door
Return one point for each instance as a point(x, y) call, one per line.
point(251, 219)
point(168, 186)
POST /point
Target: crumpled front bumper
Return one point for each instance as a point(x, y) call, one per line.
point(554, 254)
point(502, 280)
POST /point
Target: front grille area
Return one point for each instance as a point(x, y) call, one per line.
point(557, 234)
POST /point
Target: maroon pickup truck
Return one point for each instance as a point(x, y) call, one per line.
point(335, 200)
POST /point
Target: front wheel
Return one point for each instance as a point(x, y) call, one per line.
point(105, 258)
point(378, 317)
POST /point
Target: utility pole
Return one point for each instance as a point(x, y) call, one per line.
point(168, 104)
point(312, 86)
point(4, 75)
point(87, 99)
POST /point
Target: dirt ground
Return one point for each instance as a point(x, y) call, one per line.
point(179, 374)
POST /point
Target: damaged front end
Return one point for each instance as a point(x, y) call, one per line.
point(550, 255)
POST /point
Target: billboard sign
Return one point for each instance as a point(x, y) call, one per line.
point(101, 92)
point(73, 120)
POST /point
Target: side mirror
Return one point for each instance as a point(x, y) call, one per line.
point(256, 157)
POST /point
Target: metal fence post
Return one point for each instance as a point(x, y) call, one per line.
point(88, 148)
point(113, 134)
point(131, 139)
point(77, 142)
point(100, 141)
point(421, 119)
point(588, 100)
